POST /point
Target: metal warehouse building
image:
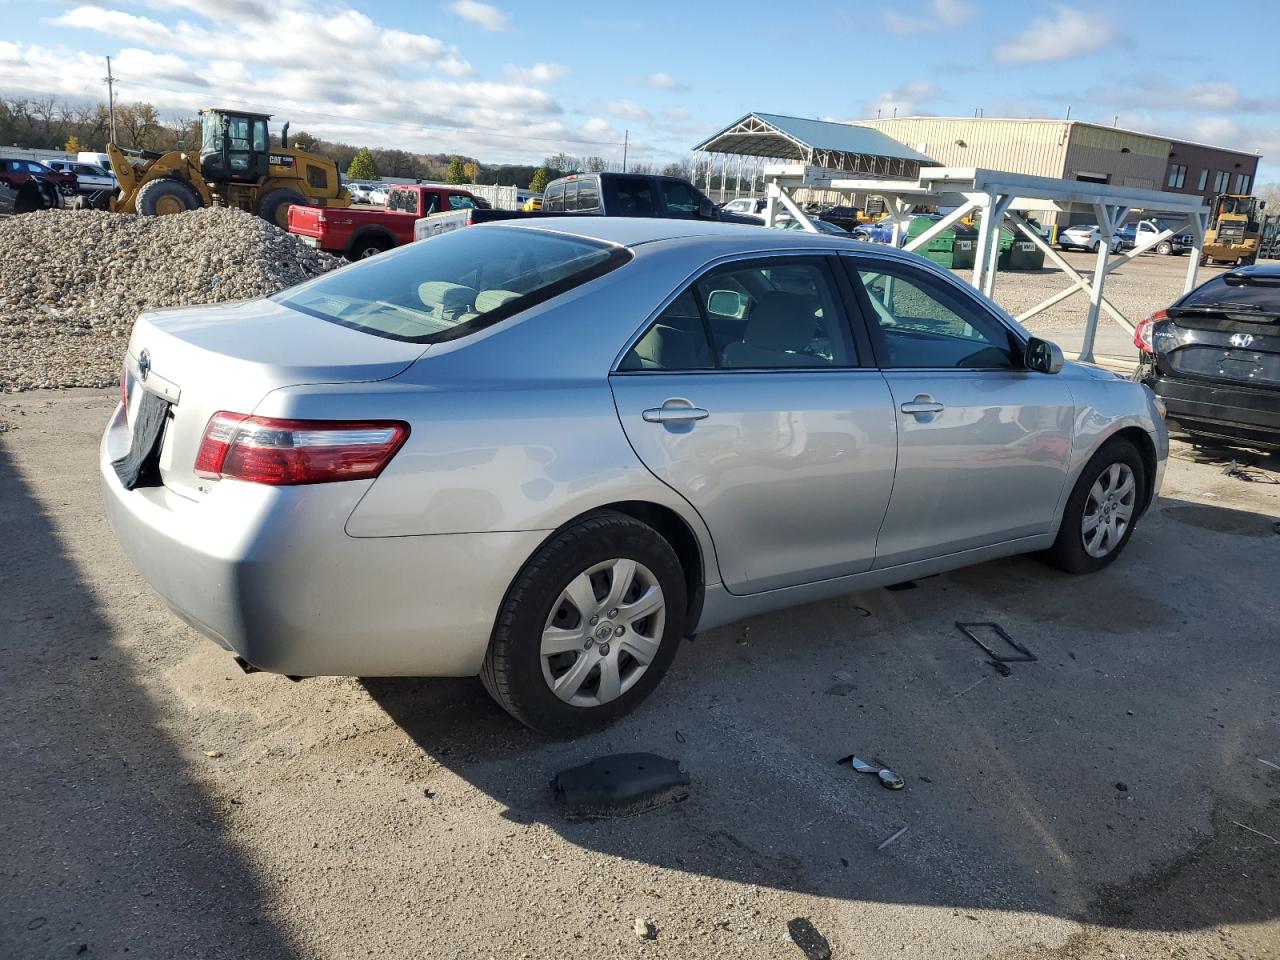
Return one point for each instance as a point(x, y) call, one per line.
point(1075, 150)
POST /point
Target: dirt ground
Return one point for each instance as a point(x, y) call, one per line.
point(1120, 796)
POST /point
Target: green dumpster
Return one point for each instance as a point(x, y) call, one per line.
point(952, 247)
point(1024, 254)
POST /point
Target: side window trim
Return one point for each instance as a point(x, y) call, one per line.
point(853, 262)
point(863, 355)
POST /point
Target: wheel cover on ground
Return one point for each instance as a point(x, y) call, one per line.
point(1108, 510)
point(603, 632)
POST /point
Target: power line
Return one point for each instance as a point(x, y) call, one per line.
point(387, 123)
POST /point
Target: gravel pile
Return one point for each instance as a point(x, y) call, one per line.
point(72, 282)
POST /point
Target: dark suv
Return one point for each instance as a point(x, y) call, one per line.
point(1213, 357)
point(633, 195)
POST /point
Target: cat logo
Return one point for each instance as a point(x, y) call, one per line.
point(280, 160)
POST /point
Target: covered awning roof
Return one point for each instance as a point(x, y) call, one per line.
point(836, 146)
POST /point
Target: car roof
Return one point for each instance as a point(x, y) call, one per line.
point(634, 231)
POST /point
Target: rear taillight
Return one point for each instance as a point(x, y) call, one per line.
point(1142, 334)
point(290, 452)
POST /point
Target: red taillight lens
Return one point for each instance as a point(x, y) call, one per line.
point(290, 452)
point(1142, 335)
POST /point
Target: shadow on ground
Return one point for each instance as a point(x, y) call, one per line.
point(109, 846)
point(1116, 779)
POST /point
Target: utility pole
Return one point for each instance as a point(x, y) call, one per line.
point(110, 81)
point(626, 136)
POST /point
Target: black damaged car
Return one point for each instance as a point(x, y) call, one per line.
point(1213, 357)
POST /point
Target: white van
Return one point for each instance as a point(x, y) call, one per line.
point(97, 159)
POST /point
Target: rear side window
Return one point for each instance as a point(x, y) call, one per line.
point(554, 197)
point(454, 284)
point(681, 198)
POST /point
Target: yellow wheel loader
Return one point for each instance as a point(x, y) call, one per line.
point(1233, 230)
point(236, 167)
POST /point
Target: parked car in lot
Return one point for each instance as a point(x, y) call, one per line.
point(543, 452)
point(1131, 234)
point(356, 234)
point(752, 206)
point(90, 178)
point(359, 191)
point(786, 222)
point(16, 172)
point(377, 194)
point(1086, 236)
point(1213, 357)
point(846, 217)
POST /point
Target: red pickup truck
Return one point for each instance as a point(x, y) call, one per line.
point(356, 234)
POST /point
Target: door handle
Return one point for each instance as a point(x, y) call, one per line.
point(675, 411)
point(922, 405)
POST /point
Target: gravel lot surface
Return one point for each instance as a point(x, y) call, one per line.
point(1099, 802)
point(72, 282)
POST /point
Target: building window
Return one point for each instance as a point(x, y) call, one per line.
point(1243, 181)
point(1177, 175)
point(1204, 179)
point(1220, 181)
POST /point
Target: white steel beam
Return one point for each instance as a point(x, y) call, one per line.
point(1197, 222)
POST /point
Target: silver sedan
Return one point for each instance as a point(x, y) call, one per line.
point(544, 451)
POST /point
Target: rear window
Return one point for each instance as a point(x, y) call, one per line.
point(454, 284)
point(1228, 289)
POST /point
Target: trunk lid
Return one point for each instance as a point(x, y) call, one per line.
point(230, 356)
point(307, 221)
point(1222, 344)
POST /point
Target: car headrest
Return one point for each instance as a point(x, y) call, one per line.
point(447, 301)
point(781, 321)
point(487, 300)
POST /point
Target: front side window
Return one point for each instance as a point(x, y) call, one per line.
point(451, 285)
point(459, 202)
point(680, 197)
point(922, 323)
point(780, 313)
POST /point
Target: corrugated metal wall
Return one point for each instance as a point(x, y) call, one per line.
point(1131, 159)
point(1036, 147)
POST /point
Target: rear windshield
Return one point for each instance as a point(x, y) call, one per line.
point(454, 284)
point(1258, 296)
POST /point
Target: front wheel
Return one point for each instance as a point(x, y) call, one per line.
point(1164, 248)
point(1102, 510)
point(588, 628)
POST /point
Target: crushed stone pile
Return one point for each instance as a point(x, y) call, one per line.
point(72, 282)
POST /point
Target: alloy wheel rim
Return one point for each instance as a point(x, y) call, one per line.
point(1108, 510)
point(603, 632)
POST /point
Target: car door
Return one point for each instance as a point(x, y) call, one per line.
point(749, 396)
point(983, 442)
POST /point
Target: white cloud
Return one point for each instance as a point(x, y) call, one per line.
point(539, 73)
point(939, 15)
point(903, 101)
point(664, 81)
point(627, 110)
point(1069, 32)
point(483, 14)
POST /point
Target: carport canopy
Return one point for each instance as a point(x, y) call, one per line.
point(839, 147)
point(999, 197)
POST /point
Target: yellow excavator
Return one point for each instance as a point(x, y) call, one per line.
point(1233, 230)
point(236, 167)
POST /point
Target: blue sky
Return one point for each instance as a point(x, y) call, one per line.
point(514, 81)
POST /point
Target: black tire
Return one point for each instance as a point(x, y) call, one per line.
point(273, 206)
point(162, 197)
point(1097, 245)
point(513, 666)
point(1164, 248)
point(1068, 551)
point(368, 247)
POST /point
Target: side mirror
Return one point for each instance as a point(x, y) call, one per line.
point(707, 209)
point(1043, 356)
point(725, 303)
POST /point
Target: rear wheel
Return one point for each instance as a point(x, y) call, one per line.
point(369, 247)
point(1096, 247)
point(1102, 510)
point(274, 205)
point(1164, 248)
point(160, 198)
point(588, 628)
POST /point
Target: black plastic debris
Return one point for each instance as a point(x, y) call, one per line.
point(620, 785)
point(975, 632)
point(905, 585)
point(806, 936)
point(888, 779)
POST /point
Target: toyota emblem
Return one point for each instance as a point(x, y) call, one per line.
point(1242, 339)
point(144, 364)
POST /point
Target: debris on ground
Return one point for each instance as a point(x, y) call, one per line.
point(213, 754)
point(888, 779)
point(644, 930)
point(805, 935)
point(1000, 661)
point(620, 785)
point(893, 837)
point(72, 282)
